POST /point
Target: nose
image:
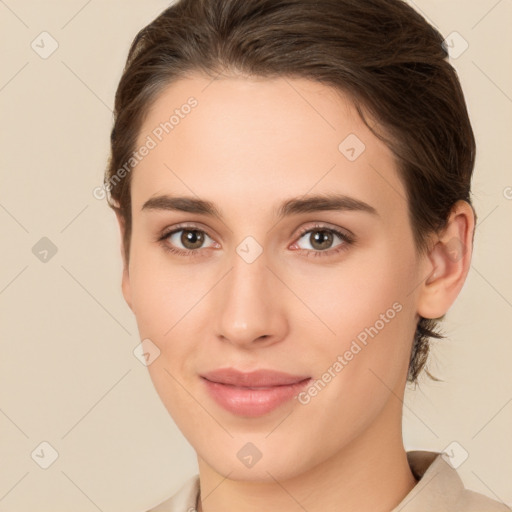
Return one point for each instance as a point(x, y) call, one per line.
point(250, 305)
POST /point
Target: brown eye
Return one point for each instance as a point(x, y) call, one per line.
point(321, 240)
point(186, 239)
point(192, 238)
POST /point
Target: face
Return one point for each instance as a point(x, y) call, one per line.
point(263, 276)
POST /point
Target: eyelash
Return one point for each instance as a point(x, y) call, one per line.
point(347, 240)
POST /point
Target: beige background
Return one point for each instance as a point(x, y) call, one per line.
point(67, 369)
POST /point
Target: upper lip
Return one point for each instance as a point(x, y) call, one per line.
point(257, 378)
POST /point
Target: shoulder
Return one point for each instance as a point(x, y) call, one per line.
point(440, 488)
point(183, 501)
point(474, 502)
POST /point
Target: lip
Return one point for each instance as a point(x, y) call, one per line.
point(253, 393)
point(258, 378)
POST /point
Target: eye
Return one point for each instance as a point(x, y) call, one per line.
point(190, 240)
point(184, 240)
point(321, 239)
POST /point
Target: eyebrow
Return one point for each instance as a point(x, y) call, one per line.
point(294, 206)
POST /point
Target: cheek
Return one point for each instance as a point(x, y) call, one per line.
point(161, 291)
point(170, 301)
point(366, 315)
point(351, 296)
point(357, 368)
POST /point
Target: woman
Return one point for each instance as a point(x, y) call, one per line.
point(292, 185)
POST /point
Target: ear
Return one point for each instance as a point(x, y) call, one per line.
point(125, 280)
point(447, 263)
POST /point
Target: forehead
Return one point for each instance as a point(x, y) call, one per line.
point(257, 140)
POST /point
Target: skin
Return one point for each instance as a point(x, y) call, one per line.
point(249, 145)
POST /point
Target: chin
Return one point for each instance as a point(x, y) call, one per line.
point(269, 462)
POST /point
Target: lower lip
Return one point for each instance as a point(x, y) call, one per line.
point(252, 402)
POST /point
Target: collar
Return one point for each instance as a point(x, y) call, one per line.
point(439, 487)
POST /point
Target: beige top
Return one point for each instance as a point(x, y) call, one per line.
point(439, 489)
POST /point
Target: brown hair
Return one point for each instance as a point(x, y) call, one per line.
point(382, 53)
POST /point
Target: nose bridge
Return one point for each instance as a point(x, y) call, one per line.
point(248, 310)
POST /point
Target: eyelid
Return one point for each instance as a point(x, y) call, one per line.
point(192, 226)
point(319, 225)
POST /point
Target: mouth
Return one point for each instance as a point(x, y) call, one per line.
point(252, 394)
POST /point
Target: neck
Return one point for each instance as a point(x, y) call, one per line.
point(369, 474)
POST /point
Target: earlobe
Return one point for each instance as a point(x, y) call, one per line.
point(125, 280)
point(448, 262)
